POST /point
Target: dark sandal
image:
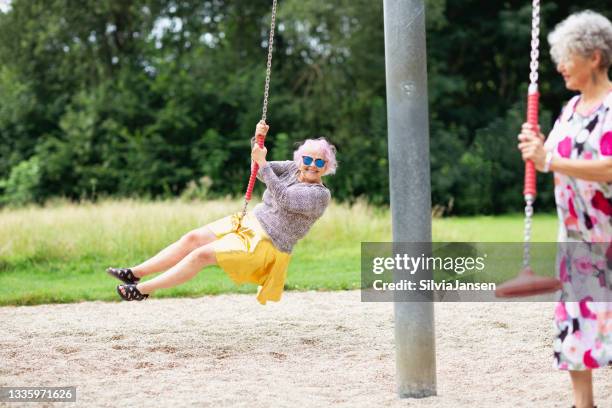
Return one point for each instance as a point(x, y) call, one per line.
point(131, 293)
point(123, 274)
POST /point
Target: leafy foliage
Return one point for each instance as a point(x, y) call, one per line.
point(148, 98)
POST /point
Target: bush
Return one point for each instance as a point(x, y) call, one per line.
point(23, 184)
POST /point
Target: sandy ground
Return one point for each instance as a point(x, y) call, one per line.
point(313, 349)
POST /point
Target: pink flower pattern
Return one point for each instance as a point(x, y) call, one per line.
point(605, 144)
point(565, 147)
point(602, 203)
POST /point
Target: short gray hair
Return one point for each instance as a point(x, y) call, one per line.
point(582, 33)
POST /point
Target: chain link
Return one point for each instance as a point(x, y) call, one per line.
point(535, 42)
point(526, 245)
point(244, 209)
point(264, 112)
point(267, 85)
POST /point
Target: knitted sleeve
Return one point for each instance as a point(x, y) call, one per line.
point(298, 198)
point(279, 168)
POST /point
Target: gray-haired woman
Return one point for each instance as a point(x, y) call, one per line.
point(579, 151)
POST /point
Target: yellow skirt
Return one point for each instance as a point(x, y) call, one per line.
point(246, 253)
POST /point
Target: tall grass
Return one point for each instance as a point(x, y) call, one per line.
point(58, 253)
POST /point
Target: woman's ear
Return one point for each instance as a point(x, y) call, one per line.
point(596, 59)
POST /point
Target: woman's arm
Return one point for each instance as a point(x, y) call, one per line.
point(279, 168)
point(589, 170)
point(302, 199)
point(532, 148)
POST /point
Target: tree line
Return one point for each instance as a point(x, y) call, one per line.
point(159, 98)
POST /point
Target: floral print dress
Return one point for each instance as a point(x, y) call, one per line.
point(583, 315)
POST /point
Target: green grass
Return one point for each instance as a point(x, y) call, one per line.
point(58, 254)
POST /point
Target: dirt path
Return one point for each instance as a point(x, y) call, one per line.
point(313, 349)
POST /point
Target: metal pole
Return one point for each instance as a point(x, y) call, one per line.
point(408, 125)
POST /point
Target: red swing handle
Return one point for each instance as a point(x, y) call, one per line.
point(532, 118)
point(254, 168)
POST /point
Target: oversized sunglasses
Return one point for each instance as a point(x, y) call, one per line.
point(320, 163)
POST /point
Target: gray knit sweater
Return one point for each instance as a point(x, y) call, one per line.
point(289, 207)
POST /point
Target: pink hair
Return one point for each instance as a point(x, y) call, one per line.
point(327, 150)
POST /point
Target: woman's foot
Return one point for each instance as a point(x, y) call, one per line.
point(130, 292)
point(123, 274)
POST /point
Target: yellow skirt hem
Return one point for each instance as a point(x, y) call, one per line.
point(247, 255)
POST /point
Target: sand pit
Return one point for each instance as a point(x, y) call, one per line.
point(312, 349)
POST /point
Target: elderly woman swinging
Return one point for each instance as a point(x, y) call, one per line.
point(256, 248)
point(579, 152)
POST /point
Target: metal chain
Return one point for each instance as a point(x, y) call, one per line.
point(535, 42)
point(533, 86)
point(269, 64)
point(244, 209)
point(264, 112)
point(526, 245)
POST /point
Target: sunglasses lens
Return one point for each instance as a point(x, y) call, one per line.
point(320, 163)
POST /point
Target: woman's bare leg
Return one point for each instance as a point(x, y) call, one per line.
point(183, 271)
point(172, 254)
point(582, 383)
